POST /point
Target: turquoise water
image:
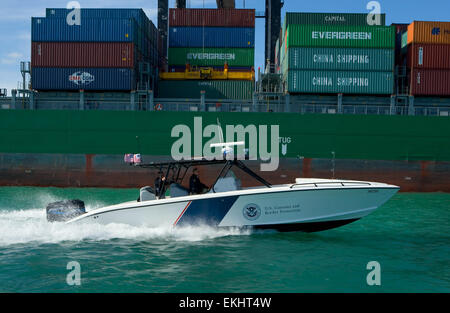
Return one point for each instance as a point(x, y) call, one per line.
point(409, 237)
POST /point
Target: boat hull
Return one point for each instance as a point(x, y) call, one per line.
point(285, 209)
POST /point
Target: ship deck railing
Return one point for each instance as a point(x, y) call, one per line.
point(299, 105)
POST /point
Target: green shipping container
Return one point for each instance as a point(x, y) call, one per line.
point(346, 82)
point(341, 36)
point(355, 19)
point(215, 89)
point(345, 59)
point(244, 57)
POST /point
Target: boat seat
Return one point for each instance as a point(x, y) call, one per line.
point(176, 190)
point(227, 184)
point(146, 193)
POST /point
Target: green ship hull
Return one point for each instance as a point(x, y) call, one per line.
point(85, 148)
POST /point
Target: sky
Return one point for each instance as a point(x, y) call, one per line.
point(15, 21)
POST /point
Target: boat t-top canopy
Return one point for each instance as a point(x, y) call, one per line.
point(175, 171)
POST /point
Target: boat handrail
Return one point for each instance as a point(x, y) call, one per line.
point(343, 184)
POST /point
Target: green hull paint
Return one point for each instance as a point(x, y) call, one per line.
point(313, 136)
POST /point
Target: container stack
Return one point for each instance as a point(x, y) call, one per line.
point(211, 38)
point(337, 53)
point(106, 52)
point(219, 39)
point(428, 48)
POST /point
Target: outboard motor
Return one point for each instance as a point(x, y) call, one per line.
point(62, 211)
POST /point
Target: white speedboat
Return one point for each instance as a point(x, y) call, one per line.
point(304, 205)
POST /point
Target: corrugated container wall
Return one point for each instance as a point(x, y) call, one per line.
point(235, 57)
point(348, 82)
point(97, 79)
point(212, 17)
point(90, 30)
point(429, 32)
point(340, 36)
point(350, 19)
point(211, 37)
point(83, 54)
point(137, 14)
point(215, 89)
point(339, 59)
point(332, 19)
point(425, 82)
point(429, 56)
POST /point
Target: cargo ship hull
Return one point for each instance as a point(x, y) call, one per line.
point(85, 148)
point(108, 171)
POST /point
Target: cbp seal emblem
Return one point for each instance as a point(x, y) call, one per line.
point(251, 212)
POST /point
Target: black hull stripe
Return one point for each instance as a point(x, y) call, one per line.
point(307, 227)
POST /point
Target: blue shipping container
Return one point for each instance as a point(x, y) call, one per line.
point(138, 14)
point(112, 79)
point(212, 37)
point(90, 30)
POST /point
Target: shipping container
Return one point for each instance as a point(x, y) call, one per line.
point(91, 30)
point(211, 37)
point(215, 89)
point(429, 56)
point(429, 32)
point(340, 36)
point(345, 19)
point(83, 54)
point(212, 17)
point(137, 14)
point(346, 82)
point(111, 79)
point(429, 82)
point(212, 56)
point(345, 59)
point(331, 19)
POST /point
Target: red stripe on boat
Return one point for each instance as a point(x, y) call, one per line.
point(182, 213)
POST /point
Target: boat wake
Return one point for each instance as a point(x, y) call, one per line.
point(31, 225)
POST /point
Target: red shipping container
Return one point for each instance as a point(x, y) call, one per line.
point(425, 82)
point(429, 56)
point(83, 54)
point(212, 17)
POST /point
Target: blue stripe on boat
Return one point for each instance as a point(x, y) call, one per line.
point(207, 211)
